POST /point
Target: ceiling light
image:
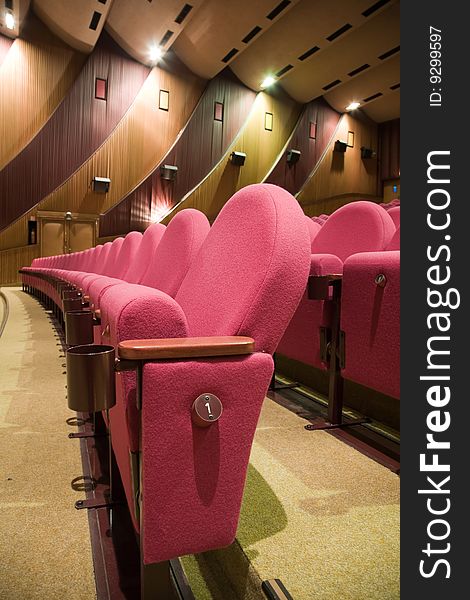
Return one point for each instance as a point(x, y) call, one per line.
point(9, 20)
point(353, 106)
point(156, 54)
point(269, 80)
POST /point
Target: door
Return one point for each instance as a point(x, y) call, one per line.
point(52, 237)
point(81, 235)
point(61, 233)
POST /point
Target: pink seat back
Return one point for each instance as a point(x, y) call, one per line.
point(102, 262)
point(394, 243)
point(313, 228)
point(150, 240)
point(252, 269)
point(127, 254)
point(176, 251)
point(356, 227)
point(111, 259)
point(395, 215)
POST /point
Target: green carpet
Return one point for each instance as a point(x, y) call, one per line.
point(316, 514)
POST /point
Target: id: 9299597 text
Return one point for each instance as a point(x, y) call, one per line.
point(435, 66)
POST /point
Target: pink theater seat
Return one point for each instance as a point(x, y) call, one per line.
point(246, 280)
point(123, 264)
point(370, 319)
point(395, 215)
point(394, 243)
point(313, 228)
point(356, 227)
point(110, 265)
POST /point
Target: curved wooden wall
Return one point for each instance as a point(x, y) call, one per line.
point(13, 259)
point(325, 120)
point(36, 74)
point(131, 152)
point(5, 45)
point(200, 146)
point(339, 177)
point(76, 129)
point(262, 148)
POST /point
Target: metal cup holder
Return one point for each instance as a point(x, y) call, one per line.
point(71, 294)
point(70, 304)
point(78, 328)
point(90, 378)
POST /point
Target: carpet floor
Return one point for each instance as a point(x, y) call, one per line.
point(316, 514)
point(44, 541)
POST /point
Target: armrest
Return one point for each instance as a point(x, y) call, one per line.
point(191, 347)
point(325, 264)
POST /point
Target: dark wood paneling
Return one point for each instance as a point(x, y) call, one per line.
point(389, 150)
point(76, 129)
point(200, 146)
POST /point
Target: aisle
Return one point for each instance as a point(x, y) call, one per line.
point(44, 541)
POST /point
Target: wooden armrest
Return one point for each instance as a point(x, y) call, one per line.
point(194, 347)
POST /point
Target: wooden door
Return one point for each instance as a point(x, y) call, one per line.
point(52, 237)
point(61, 233)
point(81, 235)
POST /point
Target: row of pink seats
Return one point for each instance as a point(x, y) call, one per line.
point(361, 243)
point(244, 276)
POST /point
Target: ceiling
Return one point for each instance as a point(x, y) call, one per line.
point(343, 50)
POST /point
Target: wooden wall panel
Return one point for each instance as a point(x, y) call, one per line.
point(5, 45)
point(35, 76)
point(340, 178)
point(262, 148)
point(133, 149)
point(76, 129)
point(389, 150)
point(200, 146)
point(14, 259)
point(325, 120)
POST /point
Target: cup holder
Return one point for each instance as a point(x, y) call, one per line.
point(78, 328)
point(70, 294)
point(90, 378)
point(70, 304)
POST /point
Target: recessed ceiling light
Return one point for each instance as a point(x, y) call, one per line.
point(9, 20)
point(156, 53)
point(353, 106)
point(269, 80)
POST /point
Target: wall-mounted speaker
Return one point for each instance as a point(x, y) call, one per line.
point(100, 185)
point(367, 152)
point(238, 158)
point(293, 156)
point(168, 172)
point(340, 146)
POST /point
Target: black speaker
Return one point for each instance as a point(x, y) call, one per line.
point(367, 152)
point(100, 184)
point(238, 158)
point(340, 146)
point(293, 156)
point(168, 172)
